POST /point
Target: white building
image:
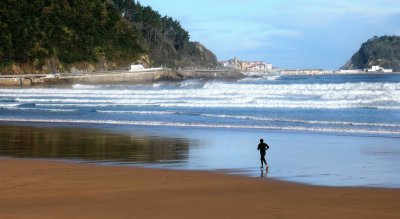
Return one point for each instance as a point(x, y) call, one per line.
point(377, 68)
point(256, 66)
point(247, 65)
point(136, 67)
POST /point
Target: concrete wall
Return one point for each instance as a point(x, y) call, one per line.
point(112, 78)
point(10, 82)
point(218, 74)
point(123, 77)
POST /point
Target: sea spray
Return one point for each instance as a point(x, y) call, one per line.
point(340, 104)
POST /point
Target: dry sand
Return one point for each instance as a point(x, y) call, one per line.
point(42, 189)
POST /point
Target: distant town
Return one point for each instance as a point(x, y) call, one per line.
point(264, 67)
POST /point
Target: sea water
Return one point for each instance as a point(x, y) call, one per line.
point(359, 104)
point(303, 111)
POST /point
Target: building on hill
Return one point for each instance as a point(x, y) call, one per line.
point(377, 51)
point(377, 68)
point(373, 69)
point(247, 65)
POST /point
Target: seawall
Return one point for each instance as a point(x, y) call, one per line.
point(22, 80)
point(114, 77)
point(211, 74)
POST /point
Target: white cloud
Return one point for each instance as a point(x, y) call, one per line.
point(286, 33)
point(367, 8)
point(309, 29)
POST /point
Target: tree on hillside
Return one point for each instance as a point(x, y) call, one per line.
point(69, 30)
point(90, 31)
point(383, 51)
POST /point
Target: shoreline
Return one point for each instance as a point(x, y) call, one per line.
point(39, 189)
point(145, 76)
point(187, 149)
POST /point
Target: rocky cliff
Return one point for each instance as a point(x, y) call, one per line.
point(383, 51)
point(195, 56)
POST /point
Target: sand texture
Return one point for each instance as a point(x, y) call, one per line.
point(42, 189)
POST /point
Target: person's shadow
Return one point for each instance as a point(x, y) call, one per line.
point(264, 172)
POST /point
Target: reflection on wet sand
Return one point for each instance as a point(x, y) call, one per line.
point(89, 145)
point(264, 173)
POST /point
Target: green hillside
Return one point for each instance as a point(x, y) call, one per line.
point(164, 38)
point(383, 51)
point(58, 35)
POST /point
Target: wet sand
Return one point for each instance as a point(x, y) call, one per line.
point(44, 189)
point(312, 158)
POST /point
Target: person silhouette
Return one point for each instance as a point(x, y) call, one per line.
point(263, 147)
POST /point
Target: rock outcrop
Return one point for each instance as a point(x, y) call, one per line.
point(383, 51)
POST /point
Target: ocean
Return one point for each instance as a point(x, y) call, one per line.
point(348, 108)
point(358, 104)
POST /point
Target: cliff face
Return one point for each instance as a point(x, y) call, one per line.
point(195, 56)
point(205, 56)
point(383, 51)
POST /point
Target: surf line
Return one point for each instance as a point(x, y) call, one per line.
point(199, 125)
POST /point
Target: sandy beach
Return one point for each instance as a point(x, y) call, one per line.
point(116, 161)
point(43, 189)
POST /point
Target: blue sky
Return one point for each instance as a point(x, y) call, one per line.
point(287, 33)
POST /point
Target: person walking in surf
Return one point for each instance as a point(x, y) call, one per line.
point(262, 147)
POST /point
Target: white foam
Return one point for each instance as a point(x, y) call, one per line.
point(191, 83)
point(241, 101)
point(84, 86)
point(340, 123)
point(43, 109)
point(231, 95)
point(8, 105)
point(157, 84)
point(136, 112)
point(72, 105)
point(259, 76)
point(200, 125)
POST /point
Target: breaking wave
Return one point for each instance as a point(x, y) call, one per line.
point(260, 102)
point(230, 95)
point(203, 125)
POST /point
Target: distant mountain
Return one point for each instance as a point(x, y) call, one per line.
point(61, 36)
point(383, 51)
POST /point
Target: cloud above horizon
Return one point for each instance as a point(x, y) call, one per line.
point(287, 33)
